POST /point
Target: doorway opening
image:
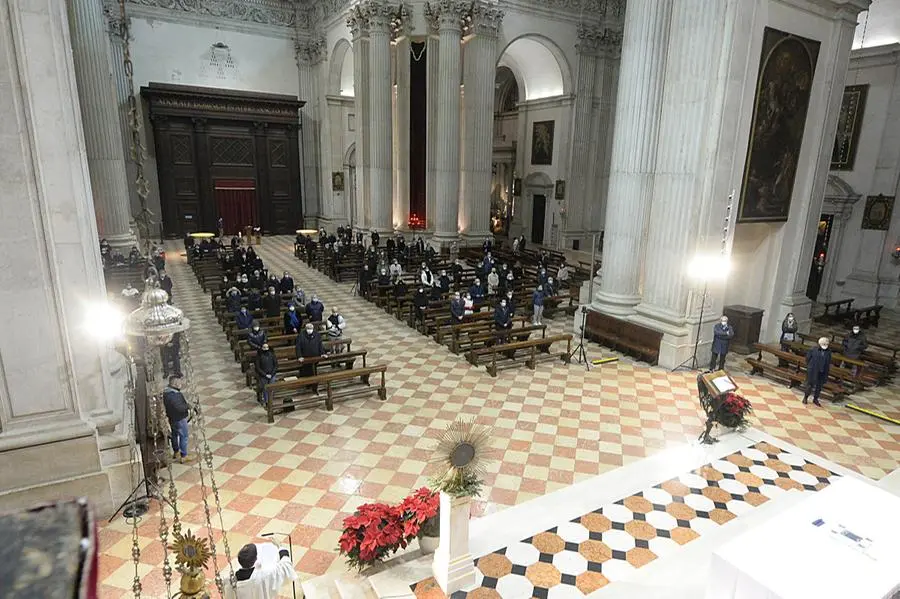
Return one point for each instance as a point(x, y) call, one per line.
point(819, 257)
point(538, 214)
point(236, 204)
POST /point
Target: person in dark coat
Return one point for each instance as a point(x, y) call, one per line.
point(171, 356)
point(457, 308)
point(266, 369)
point(510, 303)
point(308, 345)
point(291, 321)
point(818, 363)
point(177, 412)
point(854, 345)
point(256, 337)
point(502, 317)
point(286, 283)
point(477, 291)
point(271, 303)
point(420, 301)
point(789, 328)
point(165, 283)
point(244, 318)
point(443, 282)
point(365, 275)
point(722, 335)
point(537, 303)
point(375, 238)
point(315, 309)
point(254, 299)
point(233, 300)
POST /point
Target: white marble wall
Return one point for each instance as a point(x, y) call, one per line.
point(55, 391)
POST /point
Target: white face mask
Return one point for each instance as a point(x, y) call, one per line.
point(823, 345)
point(855, 330)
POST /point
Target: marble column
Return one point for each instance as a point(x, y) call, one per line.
point(380, 127)
point(634, 153)
point(480, 67)
point(447, 133)
point(55, 387)
point(100, 117)
point(432, 59)
point(310, 55)
point(606, 84)
point(688, 133)
point(401, 131)
point(578, 202)
point(359, 30)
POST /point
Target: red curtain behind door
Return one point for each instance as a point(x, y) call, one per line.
point(236, 203)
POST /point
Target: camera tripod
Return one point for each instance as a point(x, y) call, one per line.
point(136, 506)
point(579, 349)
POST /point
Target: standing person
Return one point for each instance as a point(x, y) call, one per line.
point(477, 292)
point(315, 309)
point(420, 302)
point(266, 369)
point(375, 238)
point(254, 299)
point(286, 283)
point(291, 321)
point(165, 283)
point(308, 345)
point(457, 308)
point(131, 296)
point(502, 317)
point(510, 303)
point(299, 297)
point(722, 334)
point(537, 302)
point(271, 303)
point(258, 579)
point(443, 282)
point(493, 281)
point(177, 412)
point(788, 331)
point(818, 364)
point(854, 345)
point(334, 328)
point(171, 356)
point(562, 275)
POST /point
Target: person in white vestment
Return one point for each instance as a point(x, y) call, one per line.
point(264, 569)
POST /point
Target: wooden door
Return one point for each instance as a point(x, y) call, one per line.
point(538, 213)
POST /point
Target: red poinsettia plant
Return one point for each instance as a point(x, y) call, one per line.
point(734, 411)
point(376, 530)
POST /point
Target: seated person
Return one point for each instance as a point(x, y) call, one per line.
point(244, 318)
point(315, 309)
point(287, 283)
point(395, 268)
point(443, 282)
point(254, 299)
point(299, 297)
point(263, 571)
point(334, 327)
point(854, 345)
point(291, 321)
point(256, 337)
point(131, 295)
point(233, 300)
point(400, 289)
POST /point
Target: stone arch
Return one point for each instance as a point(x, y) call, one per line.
point(340, 69)
point(540, 66)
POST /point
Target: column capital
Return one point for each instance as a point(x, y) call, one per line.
point(358, 23)
point(115, 25)
point(595, 39)
point(448, 15)
point(485, 19)
point(311, 52)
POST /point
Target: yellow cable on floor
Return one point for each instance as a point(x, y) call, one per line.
point(871, 413)
point(603, 361)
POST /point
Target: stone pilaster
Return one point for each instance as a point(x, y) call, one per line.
point(634, 153)
point(478, 122)
point(606, 84)
point(310, 55)
point(449, 14)
point(359, 30)
point(380, 127)
point(100, 119)
point(433, 60)
point(401, 129)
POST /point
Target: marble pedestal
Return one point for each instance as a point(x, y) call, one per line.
point(453, 567)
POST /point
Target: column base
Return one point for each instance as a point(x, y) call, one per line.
point(443, 240)
point(475, 238)
point(615, 304)
point(121, 242)
point(454, 575)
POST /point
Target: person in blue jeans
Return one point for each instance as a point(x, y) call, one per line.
point(177, 411)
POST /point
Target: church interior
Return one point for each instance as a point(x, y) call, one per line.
point(370, 299)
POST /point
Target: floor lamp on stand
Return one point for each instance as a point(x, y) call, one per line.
point(579, 349)
point(703, 269)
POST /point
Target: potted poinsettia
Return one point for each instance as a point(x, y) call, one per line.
point(371, 534)
point(734, 411)
point(422, 518)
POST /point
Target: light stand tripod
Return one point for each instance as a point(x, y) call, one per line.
point(579, 349)
point(692, 363)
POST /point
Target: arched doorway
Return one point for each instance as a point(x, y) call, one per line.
point(351, 192)
point(836, 211)
point(537, 195)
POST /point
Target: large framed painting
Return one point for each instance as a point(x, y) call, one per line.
point(849, 123)
point(877, 216)
point(786, 69)
point(542, 142)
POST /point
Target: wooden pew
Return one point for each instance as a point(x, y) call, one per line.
point(865, 317)
point(339, 385)
point(857, 382)
point(530, 352)
point(879, 365)
point(291, 366)
point(795, 374)
point(284, 348)
point(841, 310)
point(623, 335)
point(473, 340)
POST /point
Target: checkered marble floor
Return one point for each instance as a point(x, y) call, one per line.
point(553, 427)
point(589, 552)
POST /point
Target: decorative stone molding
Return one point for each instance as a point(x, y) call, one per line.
point(114, 23)
point(484, 19)
point(262, 12)
point(448, 14)
point(358, 23)
point(311, 52)
point(595, 39)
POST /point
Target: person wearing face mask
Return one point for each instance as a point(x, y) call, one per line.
point(243, 319)
point(384, 279)
point(256, 337)
point(510, 303)
point(254, 299)
point(291, 321)
point(788, 331)
point(308, 345)
point(425, 277)
point(287, 283)
point(443, 282)
point(854, 345)
point(477, 291)
point(493, 281)
point(502, 317)
point(457, 308)
point(334, 327)
point(537, 303)
point(420, 302)
point(396, 269)
point(271, 303)
point(818, 363)
point(315, 309)
point(233, 300)
point(266, 369)
point(299, 297)
point(722, 335)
